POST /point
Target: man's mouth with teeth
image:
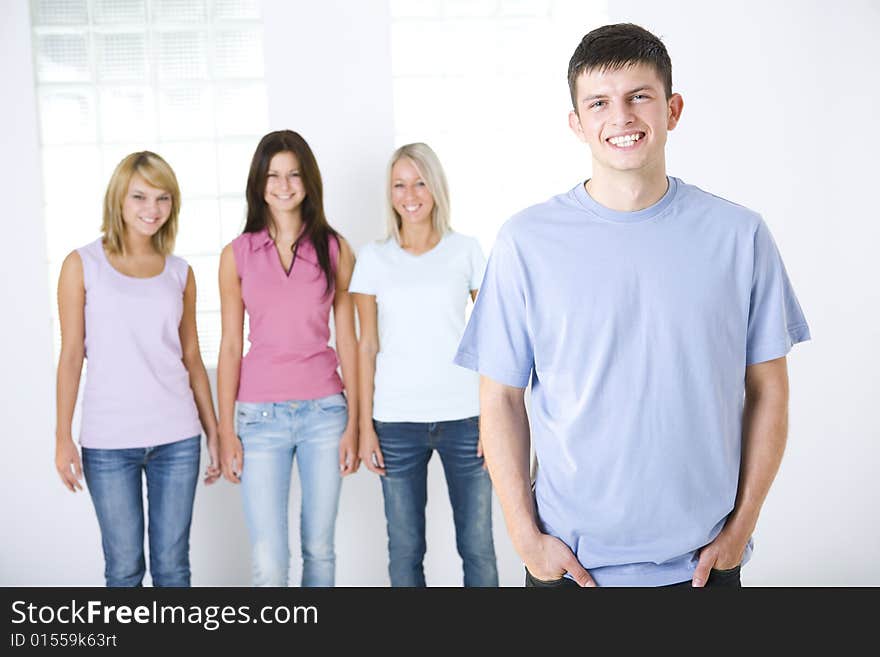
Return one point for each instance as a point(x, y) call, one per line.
point(625, 141)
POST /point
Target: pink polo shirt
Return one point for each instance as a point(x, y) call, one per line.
point(290, 356)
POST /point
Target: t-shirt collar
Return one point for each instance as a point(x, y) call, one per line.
point(617, 216)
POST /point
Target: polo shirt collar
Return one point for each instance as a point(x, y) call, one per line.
point(260, 240)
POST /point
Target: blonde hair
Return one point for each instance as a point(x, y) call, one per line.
point(159, 174)
point(429, 167)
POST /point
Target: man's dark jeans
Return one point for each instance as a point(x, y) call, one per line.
point(717, 579)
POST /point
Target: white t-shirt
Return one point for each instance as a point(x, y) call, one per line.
point(421, 301)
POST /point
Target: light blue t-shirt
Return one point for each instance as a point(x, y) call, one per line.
point(636, 329)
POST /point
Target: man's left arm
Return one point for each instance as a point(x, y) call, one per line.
point(765, 427)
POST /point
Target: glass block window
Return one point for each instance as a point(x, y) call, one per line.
point(183, 78)
point(483, 82)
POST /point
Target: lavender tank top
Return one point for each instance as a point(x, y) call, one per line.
point(137, 391)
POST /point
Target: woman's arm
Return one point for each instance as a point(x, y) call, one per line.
point(71, 315)
point(198, 377)
point(346, 347)
point(229, 365)
point(368, 347)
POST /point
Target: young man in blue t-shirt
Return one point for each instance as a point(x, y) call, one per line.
point(653, 320)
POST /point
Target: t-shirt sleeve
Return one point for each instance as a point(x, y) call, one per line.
point(363, 278)
point(477, 263)
point(776, 321)
point(496, 342)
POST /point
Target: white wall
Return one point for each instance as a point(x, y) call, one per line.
point(49, 534)
point(779, 107)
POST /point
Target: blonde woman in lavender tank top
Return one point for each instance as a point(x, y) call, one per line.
point(287, 270)
point(127, 306)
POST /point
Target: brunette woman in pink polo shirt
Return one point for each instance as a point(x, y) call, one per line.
point(287, 269)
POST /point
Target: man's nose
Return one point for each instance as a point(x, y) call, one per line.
point(623, 115)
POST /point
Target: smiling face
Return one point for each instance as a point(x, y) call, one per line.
point(145, 208)
point(623, 115)
point(285, 190)
point(410, 196)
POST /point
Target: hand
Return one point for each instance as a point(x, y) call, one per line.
point(231, 456)
point(68, 464)
point(212, 472)
point(370, 453)
point(549, 558)
point(349, 461)
point(725, 552)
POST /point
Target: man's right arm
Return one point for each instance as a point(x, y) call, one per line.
point(504, 431)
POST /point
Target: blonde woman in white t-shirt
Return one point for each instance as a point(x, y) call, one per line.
point(411, 292)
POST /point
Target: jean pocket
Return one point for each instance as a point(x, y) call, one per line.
point(251, 414)
point(534, 582)
point(727, 577)
point(727, 571)
point(332, 405)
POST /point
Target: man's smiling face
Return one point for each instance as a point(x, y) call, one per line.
point(623, 115)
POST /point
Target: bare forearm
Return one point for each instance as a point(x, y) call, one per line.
point(67, 387)
point(228, 373)
point(765, 429)
point(504, 431)
point(366, 385)
point(347, 349)
point(348, 359)
point(201, 387)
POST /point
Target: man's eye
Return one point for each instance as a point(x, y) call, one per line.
point(597, 104)
point(639, 97)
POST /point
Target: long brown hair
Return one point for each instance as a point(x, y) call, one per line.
point(315, 226)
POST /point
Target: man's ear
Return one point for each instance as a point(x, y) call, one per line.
point(675, 105)
point(574, 123)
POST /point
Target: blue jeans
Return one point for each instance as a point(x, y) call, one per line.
point(407, 447)
point(114, 478)
point(717, 579)
point(271, 434)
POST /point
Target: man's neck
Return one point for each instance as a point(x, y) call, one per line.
point(627, 191)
